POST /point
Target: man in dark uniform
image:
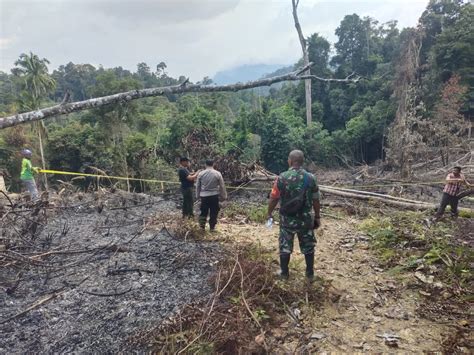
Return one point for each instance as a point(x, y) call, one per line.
point(187, 182)
point(298, 193)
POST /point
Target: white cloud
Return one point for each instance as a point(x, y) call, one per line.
point(6, 42)
point(194, 37)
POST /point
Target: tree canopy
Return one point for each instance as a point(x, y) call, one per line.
point(350, 121)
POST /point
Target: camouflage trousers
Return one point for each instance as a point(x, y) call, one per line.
point(306, 239)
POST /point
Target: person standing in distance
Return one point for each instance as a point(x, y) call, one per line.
point(454, 180)
point(187, 183)
point(209, 187)
point(298, 193)
point(27, 174)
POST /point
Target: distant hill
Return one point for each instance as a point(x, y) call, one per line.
point(245, 73)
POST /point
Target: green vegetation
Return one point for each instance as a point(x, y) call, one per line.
point(252, 213)
point(350, 121)
point(402, 242)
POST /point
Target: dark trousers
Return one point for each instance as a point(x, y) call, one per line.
point(448, 200)
point(209, 206)
point(188, 202)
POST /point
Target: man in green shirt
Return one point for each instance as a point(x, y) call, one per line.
point(27, 174)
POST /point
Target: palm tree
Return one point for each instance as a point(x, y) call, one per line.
point(37, 84)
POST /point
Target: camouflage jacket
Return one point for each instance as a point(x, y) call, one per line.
point(289, 184)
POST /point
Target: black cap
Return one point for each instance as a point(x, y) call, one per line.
point(182, 159)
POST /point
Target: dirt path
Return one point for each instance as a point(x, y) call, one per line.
point(367, 302)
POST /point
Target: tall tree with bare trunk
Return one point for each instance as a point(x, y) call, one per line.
point(304, 47)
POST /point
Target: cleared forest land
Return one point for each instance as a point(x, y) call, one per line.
point(116, 272)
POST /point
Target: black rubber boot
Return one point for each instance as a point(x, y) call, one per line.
point(284, 262)
point(309, 266)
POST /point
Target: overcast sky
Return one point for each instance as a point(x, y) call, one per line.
point(194, 38)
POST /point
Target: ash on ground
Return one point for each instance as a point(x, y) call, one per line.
point(102, 276)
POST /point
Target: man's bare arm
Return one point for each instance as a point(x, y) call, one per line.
point(198, 188)
point(451, 180)
point(317, 208)
point(193, 177)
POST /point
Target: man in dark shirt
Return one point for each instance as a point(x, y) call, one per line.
point(187, 182)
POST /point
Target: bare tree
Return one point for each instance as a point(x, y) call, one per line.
point(446, 129)
point(304, 47)
point(405, 143)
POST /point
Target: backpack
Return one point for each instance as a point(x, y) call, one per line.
point(295, 205)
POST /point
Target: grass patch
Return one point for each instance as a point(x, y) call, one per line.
point(404, 240)
point(466, 213)
point(248, 213)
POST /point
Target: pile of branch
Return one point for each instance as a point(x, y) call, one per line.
point(246, 303)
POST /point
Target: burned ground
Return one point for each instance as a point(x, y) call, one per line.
point(87, 280)
point(102, 274)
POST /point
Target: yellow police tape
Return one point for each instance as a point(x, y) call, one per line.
point(162, 182)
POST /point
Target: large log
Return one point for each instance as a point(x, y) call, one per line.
point(65, 107)
point(415, 205)
point(368, 193)
point(372, 196)
point(356, 195)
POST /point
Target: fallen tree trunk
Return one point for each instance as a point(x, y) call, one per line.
point(415, 205)
point(368, 193)
point(65, 107)
point(334, 190)
point(372, 196)
point(356, 195)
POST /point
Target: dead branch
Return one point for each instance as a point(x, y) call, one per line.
point(8, 198)
point(350, 79)
point(108, 294)
point(408, 205)
point(242, 293)
point(35, 305)
point(367, 193)
point(124, 271)
point(65, 107)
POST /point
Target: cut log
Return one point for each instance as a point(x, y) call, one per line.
point(368, 193)
point(358, 196)
point(415, 206)
point(372, 196)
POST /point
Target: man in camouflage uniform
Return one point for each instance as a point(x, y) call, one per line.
point(298, 193)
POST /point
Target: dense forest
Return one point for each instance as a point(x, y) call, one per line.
point(353, 123)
